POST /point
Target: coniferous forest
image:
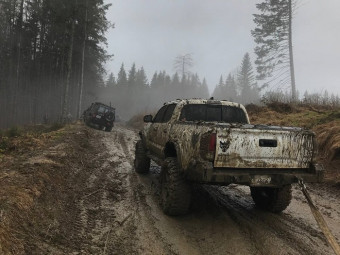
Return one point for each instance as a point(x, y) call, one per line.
point(52, 58)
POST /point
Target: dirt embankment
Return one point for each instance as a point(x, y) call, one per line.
point(324, 121)
point(78, 194)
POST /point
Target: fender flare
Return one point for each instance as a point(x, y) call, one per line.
point(177, 149)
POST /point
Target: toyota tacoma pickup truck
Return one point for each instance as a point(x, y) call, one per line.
point(212, 142)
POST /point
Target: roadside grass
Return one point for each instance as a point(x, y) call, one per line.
point(19, 139)
point(300, 116)
point(30, 180)
point(324, 121)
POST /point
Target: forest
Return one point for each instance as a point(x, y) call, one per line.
point(53, 55)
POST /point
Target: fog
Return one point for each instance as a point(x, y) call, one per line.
point(55, 60)
point(152, 33)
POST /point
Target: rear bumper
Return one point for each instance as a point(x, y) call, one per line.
point(206, 173)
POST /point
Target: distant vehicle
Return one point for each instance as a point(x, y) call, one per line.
point(101, 115)
point(212, 142)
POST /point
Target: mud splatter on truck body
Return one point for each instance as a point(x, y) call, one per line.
point(214, 143)
point(237, 147)
point(264, 148)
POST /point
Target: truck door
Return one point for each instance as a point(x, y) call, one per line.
point(160, 128)
point(164, 129)
point(154, 129)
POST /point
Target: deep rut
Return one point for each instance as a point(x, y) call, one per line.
point(119, 213)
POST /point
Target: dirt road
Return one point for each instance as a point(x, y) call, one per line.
point(224, 220)
point(103, 207)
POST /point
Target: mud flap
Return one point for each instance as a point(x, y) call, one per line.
point(320, 220)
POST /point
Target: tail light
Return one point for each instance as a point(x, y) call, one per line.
point(208, 146)
point(212, 142)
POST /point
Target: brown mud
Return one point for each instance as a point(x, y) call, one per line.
point(80, 195)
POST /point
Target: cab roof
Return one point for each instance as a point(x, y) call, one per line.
point(205, 101)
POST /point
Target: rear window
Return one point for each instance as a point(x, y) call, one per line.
point(212, 113)
point(102, 109)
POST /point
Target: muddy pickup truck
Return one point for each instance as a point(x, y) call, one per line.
point(212, 142)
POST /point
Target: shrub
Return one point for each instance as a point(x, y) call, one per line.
point(13, 132)
point(55, 126)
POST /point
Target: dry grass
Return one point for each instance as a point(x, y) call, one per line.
point(328, 136)
point(324, 121)
point(286, 115)
point(21, 184)
point(136, 121)
point(19, 140)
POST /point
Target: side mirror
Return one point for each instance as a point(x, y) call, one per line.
point(147, 118)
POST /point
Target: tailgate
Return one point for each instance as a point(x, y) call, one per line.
point(263, 148)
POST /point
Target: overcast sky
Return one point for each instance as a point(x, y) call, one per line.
point(151, 33)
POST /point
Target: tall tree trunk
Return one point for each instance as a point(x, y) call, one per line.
point(17, 71)
point(69, 69)
point(291, 59)
point(82, 67)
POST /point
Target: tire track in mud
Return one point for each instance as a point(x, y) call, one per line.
point(134, 203)
point(101, 225)
point(269, 232)
point(226, 223)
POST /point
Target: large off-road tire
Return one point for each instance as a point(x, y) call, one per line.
point(142, 162)
point(175, 192)
point(272, 199)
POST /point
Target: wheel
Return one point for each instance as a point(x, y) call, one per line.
point(108, 129)
point(142, 162)
point(175, 192)
point(272, 199)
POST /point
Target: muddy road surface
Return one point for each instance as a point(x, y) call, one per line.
point(103, 207)
point(122, 215)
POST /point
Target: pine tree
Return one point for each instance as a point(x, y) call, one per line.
point(111, 81)
point(175, 86)
point(122, 79)
point(246, 81)
point(154, 81)
point(218, 94)
point(141, 79)
point(132, 76)
point(273, 36)
point(204, 89)
point(231, 88)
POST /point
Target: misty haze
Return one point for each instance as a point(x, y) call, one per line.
point(169, 127)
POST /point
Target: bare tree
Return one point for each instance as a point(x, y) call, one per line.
point(183, 63)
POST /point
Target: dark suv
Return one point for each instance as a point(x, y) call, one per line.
point(101, 115)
